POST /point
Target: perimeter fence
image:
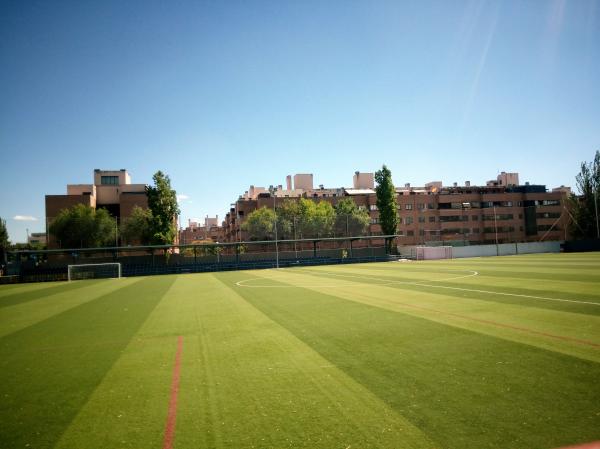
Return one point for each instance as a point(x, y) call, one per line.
point(52, 265)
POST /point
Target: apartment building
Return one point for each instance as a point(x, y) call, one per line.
point(196, 232)
point(111, 189)
point(501, 211)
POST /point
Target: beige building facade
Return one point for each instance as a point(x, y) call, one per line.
point(112, 190)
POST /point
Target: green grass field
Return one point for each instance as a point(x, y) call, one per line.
point(471, 353)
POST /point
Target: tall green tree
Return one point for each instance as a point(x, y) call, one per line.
point(162, 202)
point(4, 242)
point(260, 224)
point(586, 206)
point(350, 220)
point(386, 203)
point(288, 219)
point(82, 226)
point(315, 219)
point(323, 219)
point(137, 228)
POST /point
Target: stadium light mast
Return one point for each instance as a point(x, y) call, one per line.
point(596, 207)
point(272, 191)
point(496, 231)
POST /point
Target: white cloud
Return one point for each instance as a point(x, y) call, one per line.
point(182, 197)
point(24, 218)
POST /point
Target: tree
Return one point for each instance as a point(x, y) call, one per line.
point(323, 219)
point(162, 202)
point(349, 219)
point(4, 242)
point(386, 203)
point(137, 228)
point(82, 226)
point(586, 207)
point(259, 224)
point(288, 219)
point(315, 219)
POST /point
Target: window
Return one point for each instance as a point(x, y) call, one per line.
point(373, 207)
point(431, 219)
point(474, 217)
point(548, 215)
point(421, 206)
point(410, 233)
point(498, 217)
point(449, 218)
point(109, 180)
point(408, 220)
point(430, 206)
point(408, 206)
point(421, 219)
point(547, 228)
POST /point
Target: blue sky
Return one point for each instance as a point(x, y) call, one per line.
point(221, 95)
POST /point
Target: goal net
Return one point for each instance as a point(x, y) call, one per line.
point(94, 271)
point(433, 252)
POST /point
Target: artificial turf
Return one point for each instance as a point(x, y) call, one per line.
point(469, 353)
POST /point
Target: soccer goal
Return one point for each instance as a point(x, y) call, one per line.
point(433, 252)
point(94, 271)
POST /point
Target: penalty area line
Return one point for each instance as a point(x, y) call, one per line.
point(172, 413)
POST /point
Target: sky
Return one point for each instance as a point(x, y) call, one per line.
point(221, 95)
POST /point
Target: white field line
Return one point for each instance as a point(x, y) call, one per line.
point(421, 283)
point(384, 281)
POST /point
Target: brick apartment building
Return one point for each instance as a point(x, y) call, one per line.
point(194, 232)
point(503, 210)
point(112, 190)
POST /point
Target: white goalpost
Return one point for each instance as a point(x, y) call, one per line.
point(94, 271)
point(433, 252)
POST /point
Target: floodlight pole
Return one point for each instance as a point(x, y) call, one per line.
point(272, 190)
point(596, 207)
point(496, 231)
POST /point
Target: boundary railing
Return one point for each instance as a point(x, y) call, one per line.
point(52, 265)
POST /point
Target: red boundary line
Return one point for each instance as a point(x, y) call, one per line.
point(172, 414)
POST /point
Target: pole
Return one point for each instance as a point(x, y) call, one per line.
point(272, 190)
point(596, 207)
point(496, 231)
point(295, 243)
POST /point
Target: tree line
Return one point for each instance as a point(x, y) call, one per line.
point(306, 218)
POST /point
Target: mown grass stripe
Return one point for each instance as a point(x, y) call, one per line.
point(574, 326)
point(41, 293)
point(43, 390)
point(442, 378)
point(257, 385)
point(22, 315)
point(585, 304)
